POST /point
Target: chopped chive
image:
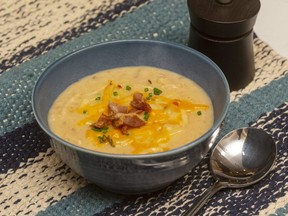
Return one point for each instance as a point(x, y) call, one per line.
point(146, 116)
point(199, 113)
point(103, 130)
point(110, 141)
point(128, 88)
point(84, 111)
point(146, 89)
point(115, 93)
point(104, 138)
point(96, 129)
point(157, 91)
point(98, 98)
point(149, 96)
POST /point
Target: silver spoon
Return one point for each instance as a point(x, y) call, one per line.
point(241, 158)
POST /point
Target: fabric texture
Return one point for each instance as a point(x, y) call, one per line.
point(34, 180)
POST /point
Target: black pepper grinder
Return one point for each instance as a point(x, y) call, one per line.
point(223, 30)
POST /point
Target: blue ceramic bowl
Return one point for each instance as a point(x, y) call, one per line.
point(131, 174)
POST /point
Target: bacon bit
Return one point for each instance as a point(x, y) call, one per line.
point(119, 86)
point(136, 111)
point(103, 121)
point(124, 129)
point(133, 121)
point(176, 103)
point(122, 118)
point(127, 121)
point(140, 103)
point(114, 108)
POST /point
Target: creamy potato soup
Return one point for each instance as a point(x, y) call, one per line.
point(131, 110)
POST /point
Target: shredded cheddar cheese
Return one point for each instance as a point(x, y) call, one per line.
point(165, 112)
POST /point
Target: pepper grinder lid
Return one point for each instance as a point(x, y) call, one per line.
point(223, 18)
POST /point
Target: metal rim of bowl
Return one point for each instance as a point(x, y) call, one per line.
point(134, 156)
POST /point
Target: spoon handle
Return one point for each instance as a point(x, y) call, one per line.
point(200, 202)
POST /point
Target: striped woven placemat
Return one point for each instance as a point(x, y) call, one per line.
point(34, 181)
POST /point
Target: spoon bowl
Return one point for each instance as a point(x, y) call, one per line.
point(241, 158)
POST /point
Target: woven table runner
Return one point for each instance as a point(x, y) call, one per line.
point(34, 180)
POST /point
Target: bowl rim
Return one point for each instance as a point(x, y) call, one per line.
point(173, 151)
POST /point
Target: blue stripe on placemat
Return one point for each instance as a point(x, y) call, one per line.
point(251, 105)
point(240, 114)
point(20, 145)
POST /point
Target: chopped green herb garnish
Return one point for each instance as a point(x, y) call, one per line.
point(103, 130)
point(104, 138)
point(84, 111)
point(146, 89)
point(146, 116)
point(115, 93)
point(98, 98)
point(110, 141)
point(149, 96)
point(128, 88)
point(157, 91)
point(199, 113)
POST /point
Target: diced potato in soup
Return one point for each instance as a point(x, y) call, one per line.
point(132, 110)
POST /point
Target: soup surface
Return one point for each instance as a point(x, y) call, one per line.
point(131, 110)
